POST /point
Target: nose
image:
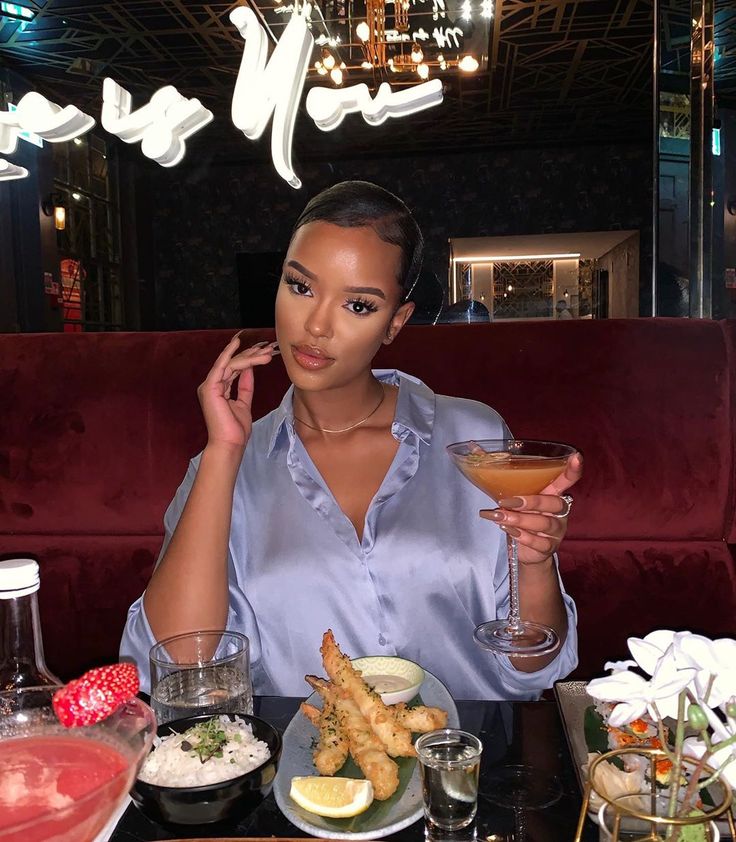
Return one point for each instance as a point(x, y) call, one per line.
point(319, 321)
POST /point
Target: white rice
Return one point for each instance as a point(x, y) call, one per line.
point(169, 765)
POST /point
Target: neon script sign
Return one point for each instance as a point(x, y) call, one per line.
point(266, 90)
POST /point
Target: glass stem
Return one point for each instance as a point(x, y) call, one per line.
point(513, 551)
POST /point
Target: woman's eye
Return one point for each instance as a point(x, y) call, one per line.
point(361, 308)
point(297, 287)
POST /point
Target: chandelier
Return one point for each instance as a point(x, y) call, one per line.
point(401, 41)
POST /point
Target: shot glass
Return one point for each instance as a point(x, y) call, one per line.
point(449, 762)
point(205, 672)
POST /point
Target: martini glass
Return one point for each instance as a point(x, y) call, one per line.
point(64, 784)
point(505, 468)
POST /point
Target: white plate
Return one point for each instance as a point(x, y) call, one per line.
point(378, 820)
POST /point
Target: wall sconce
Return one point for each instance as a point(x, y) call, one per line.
point(53, 205)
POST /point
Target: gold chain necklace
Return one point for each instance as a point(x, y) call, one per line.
point(352, 426)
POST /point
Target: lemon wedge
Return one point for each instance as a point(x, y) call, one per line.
point(336, 798)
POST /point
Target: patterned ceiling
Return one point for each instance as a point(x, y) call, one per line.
point(552, 71)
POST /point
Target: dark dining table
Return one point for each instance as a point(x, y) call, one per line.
point(512, 733)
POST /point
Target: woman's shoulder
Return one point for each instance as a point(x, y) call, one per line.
point(467, 417)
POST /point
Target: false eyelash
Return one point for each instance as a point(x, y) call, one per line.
point(369, 305)
point(293, 281)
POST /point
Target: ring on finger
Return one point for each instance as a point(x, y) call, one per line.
point(567, 500)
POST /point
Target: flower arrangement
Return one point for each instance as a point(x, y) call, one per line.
point(677, 695)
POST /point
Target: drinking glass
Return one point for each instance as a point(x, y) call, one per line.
point(205, 672)
point(511, 468)
point(449, 763)
point(62, 784)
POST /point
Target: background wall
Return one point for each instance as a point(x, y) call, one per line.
point(196, 218)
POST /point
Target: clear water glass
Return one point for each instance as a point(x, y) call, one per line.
point(205, 672)
point(449, 763)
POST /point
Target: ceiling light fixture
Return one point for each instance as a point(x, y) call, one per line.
point(468, 64)
point(16, 12)
point(363, 31)
point(504, 258)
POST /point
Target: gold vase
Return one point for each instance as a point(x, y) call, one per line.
point(642, 815)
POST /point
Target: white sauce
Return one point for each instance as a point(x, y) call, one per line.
point(387, 683)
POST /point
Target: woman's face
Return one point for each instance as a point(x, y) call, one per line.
point(338, 301)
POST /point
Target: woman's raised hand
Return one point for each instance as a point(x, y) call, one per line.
point(229, 420)
point(538, 521)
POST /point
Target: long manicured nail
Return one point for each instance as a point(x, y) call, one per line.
point(261, 344)
point(495, 515)
point(511, 503)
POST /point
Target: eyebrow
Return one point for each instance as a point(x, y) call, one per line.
point(303, 269)
point(367, 291)
point(379, 293)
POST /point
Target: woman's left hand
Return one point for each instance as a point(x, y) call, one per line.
point(532, 520)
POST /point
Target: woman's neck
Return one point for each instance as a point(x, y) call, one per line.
point(338, 409)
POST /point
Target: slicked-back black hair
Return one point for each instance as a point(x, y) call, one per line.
point(359, 204)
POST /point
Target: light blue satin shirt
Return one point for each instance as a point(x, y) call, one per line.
point(427, 571)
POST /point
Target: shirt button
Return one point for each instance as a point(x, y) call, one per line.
point(381, 640)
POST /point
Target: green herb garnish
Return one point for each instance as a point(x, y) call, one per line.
point(206, 740)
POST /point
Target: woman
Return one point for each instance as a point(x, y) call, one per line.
point(341, 509)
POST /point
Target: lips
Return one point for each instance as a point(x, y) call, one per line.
point(311, 358)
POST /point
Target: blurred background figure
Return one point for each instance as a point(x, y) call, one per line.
point(563, 311)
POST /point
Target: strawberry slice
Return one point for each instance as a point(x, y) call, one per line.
point(94, 696)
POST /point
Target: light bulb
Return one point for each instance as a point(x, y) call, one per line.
point(416, 54)
point(343, 66)
point(366, 65)
point(322, 70)
point(336, 75)
point(468, 64)
point(363, 31)
point(423, 71)
point(60, 217)
point(328, 59)
point(317, 65)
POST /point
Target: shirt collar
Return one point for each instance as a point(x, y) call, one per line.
point(414, 409)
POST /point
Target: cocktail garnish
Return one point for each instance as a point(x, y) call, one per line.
point(95, 695)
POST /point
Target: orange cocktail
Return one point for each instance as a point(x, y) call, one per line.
point(503, 475)
point(504, 468)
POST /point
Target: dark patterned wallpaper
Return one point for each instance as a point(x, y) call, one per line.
point(201, 217)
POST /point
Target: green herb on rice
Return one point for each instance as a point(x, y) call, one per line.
point(206, 740)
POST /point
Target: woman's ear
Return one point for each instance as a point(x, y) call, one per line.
point(398, 320)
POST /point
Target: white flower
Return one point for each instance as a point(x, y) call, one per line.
point(694, 747)
point(618, 666)
point(636, 695)
point(715, 662)
point(647, 651)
